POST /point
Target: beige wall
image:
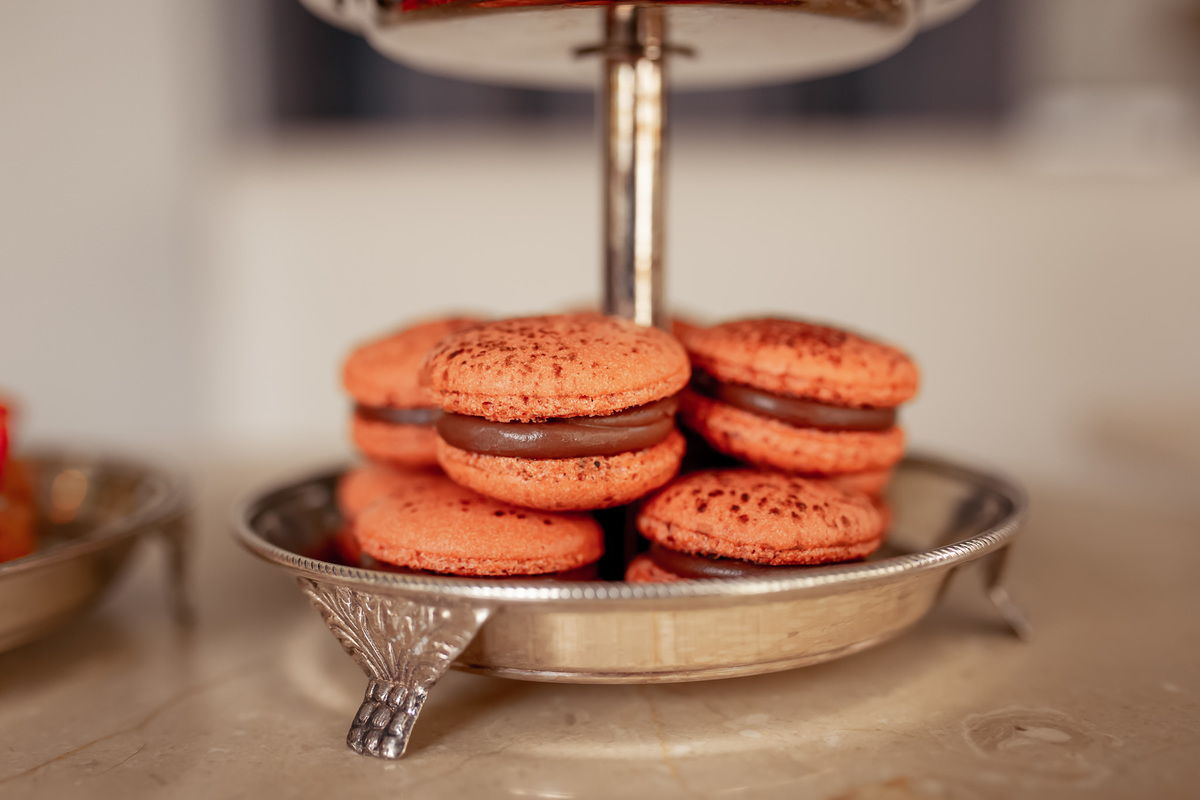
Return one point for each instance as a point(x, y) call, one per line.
point(104, 118)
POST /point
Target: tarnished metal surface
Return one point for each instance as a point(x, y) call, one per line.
point(93, 511)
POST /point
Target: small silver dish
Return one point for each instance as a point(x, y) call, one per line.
point(92, 511)
point(405, 631)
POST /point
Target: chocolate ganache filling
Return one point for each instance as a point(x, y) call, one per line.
point(687, 565)
point(568, 437)
point(398, 416)
point(794, 410)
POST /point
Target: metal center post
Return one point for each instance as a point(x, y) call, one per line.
point(633, 109)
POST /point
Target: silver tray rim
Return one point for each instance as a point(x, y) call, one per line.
point(167, 503)
point(810, 579)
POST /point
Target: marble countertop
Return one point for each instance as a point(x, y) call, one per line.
point(255, 699)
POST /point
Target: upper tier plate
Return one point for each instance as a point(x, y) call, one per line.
point(735, 42)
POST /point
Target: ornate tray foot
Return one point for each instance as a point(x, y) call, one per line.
point(176, 537)
point(1012, 613)
point(385, 719)
point(403, 646)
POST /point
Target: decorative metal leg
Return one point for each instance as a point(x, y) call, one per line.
point(403, 646)
point(1009, 610)
point(176, 536)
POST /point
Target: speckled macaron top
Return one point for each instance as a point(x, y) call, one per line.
point(532, 368)
point(804, 360)
point(451, 529)
point(385, 373)
point(760, 516)
point(361, 486)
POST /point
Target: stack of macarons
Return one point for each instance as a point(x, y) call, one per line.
point(399, 510)
point(803, 398)
point(742, 522)
point(18, 530)
point(487, 440)
point(811, 410)
point(572, 412)
point(535, 418)
point(394, 414)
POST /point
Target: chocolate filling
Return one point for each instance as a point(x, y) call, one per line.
point(686, 565)
point(398, 416)
point(569, 437)
point(794, 410)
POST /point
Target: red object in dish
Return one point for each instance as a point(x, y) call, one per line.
point(3, 440)
point(17, 536)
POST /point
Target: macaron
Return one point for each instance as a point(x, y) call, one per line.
point(394, 414)
point(799, 397)
point(750, 518)
point(361, 486)
point(872, 482)
point(447, 528)
point(644, 569)
point(560, 413)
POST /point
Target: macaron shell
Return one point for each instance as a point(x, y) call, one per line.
point(764, 517)
point(885, 511)
point(771, 443)
point(385, 373)
point(682, 326)
point(800, 359)
point(643, 570)
point(402, 445)
point(566, 484)
point(450, 529)
point(361, 486)
point(559, 366)
point(871, 482)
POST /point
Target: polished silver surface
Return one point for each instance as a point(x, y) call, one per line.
point(93, 510)
point(403, 646)
point(633, 110)
point(945, 515)
point(736, 44)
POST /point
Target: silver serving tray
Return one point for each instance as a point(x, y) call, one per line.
point(405, 631)
point(92, 510)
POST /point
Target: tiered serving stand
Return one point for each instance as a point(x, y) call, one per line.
point(405, 631)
